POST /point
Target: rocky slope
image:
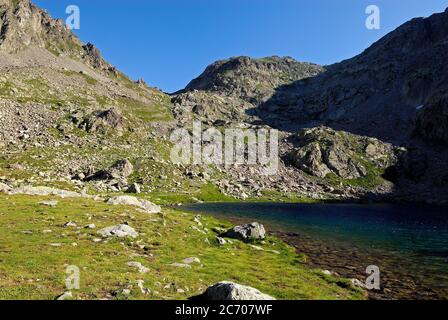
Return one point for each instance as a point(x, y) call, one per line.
point(229, 89)
point(379, 92)
point(66, 115)
point(395, 91)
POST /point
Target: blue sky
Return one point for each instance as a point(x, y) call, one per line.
point(170, 42)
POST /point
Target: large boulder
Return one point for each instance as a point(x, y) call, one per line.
point(120, 171)
point(120, 231)
point(229, 291)
point(102, 121)
point(136, 202)
point(247, 233)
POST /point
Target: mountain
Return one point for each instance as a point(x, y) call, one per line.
point(369, 127)
point(380, 92)
point(228, 88)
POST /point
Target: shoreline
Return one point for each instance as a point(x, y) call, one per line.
point(350, 263)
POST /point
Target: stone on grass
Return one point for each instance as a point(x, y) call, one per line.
point(49, 203)
point(192, 260)
point(46, 191)
point(4, 187)
point(134, 188)
point(141, 268)
point(180, 265)
point(221, 241)
point(226, 291)
point(120, 231)
point(133, 201)
point(248, 232)
point(65, 296)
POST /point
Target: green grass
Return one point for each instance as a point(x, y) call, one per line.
point(32, 269)
point(148, 112)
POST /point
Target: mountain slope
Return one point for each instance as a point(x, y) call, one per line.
point(227, 89)
point(379, 92)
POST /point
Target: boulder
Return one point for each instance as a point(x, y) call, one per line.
point(146, 205)
point(141, 268)
point(120, 170)
point(248, 232)
point(134, 188)
point(228, 291)
point(120, 231)
point(102, 121)
point(191, 260)
point(4, 187)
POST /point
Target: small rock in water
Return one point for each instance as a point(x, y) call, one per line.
point(358, 283)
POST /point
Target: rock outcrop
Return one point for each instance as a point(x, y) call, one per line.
point(322, 151)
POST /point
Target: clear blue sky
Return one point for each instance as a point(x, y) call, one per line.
point(170, 42)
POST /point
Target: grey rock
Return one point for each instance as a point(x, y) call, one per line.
point(146, 205)
point(120, 231)
point(139, 266)
point(65, 296)
point(229, 291)
point(134, 188)
point(49, 203)
point(191, 260)
point(248, 232)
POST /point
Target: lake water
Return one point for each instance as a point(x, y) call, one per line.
point(412, 238)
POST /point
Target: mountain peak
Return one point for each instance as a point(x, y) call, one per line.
point(24, 25)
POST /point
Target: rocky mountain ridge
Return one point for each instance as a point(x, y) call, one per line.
point(349, 131)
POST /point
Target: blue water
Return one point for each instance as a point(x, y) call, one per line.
point(416, 231)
